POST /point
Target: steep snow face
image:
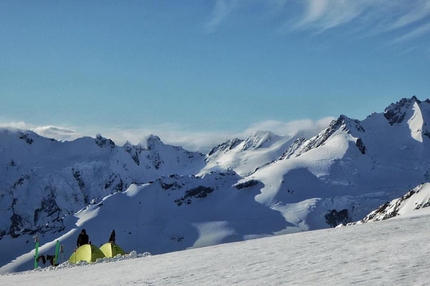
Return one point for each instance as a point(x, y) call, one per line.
point(416, 123)
point(397, 112)
point(309, 169)
point(414, 112)
point(246, 156)
point(43, 180)
point(350, 162)
point(259, 139)
point(342, 124)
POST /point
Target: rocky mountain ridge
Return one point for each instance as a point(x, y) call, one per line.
point(66, 176)
point(244, 188)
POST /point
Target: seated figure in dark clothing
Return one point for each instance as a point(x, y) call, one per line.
point(112, 237)
point(82, 238)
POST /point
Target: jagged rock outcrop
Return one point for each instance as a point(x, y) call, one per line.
point(396, 112)
point(44, 180)
point(415, 199)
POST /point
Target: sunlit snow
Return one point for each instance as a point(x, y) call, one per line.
point(392, 252)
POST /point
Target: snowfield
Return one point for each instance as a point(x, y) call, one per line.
point(164, 199)
point(390, 252)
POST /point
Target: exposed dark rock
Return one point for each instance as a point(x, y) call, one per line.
point(115, 183)
point(199, 192)
point(246, 184)
point(334, 218)
point(360, 145)
point(228, 145)
point(396, 112)
point(134, 151)
point(16, 226)
point(26, 138)
point(78, 178)
point(295, 146)
point(104, 142)
point(167, 186)
point(21, 181)
point(178, 238)
point(48, 206)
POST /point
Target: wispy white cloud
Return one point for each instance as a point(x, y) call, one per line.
point(16, 124)
point(322, 15)
point(304, 127)
point(372, 17)
point(204, 141)
point(50, 131)
point(416, 13)
point(220, 11)
point(193, 141)
point(367, 17)
point(56, 132)
point(414, 33)
point(315, 10)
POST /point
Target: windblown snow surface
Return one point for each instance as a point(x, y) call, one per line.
point(390, 252)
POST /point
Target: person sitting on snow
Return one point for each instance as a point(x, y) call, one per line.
point(112, 237)
point(82, 238)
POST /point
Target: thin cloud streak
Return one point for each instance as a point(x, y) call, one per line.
point(305, 127)
point(325, 14)
point(322, 15)
point(49, 131)
point(413, 34)
point(220, 11)
point(370, 17)
point(417, 13)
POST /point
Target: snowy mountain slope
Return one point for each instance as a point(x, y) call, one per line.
point(42, 179)
point(170, 214)
point(416, 199)
point(261, 186)
point(245, 156)
point(352, 165)
point(392, 252)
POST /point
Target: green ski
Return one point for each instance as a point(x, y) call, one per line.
point(57, 249)
point(36, 251)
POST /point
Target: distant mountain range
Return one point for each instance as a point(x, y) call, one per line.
point(161, 198)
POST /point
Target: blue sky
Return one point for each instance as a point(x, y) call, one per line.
point(208, 68)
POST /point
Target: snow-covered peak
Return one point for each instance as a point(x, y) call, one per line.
point(246, 156)
point(224, 147)
point(153, 142)
point(396, 112)
point(43, 179)
point(7, 135)
point(103, 142)
point(176, 199)
point(259, 139)
point(343, 124)
point(411, 113)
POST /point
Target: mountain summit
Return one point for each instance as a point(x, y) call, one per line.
point(162, 198)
